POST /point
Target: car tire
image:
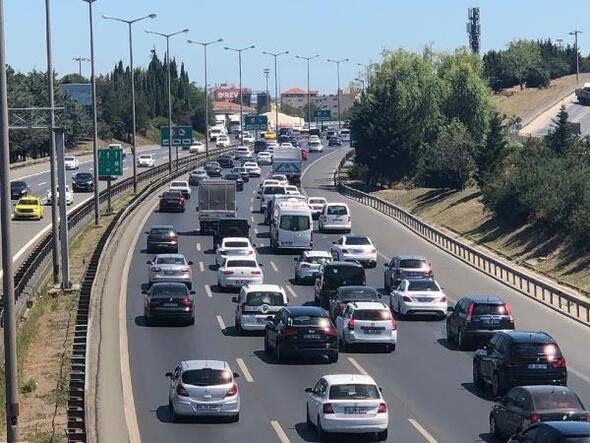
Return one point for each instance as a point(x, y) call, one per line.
point(148, 320)
point(462, 341)
point(386, 284)
point(191, 321)
point(497, 387)
point(322, 435)
point(477, 380)
point(238, 328)
point(308, 421)
point(266, 346)
point(189, 285)
point(494, 431)
point(450, 338)
point(390, 348)
point(235, 418)
point(173, 415)
point(278, 355)
point(381, 436)
point(333, 357)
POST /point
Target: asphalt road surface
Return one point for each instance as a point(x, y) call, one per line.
point(577, 112)
point(426, 381)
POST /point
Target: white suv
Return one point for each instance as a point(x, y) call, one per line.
point(256, 305)
point(367, 323)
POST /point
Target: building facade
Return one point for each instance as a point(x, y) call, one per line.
point(297, 98)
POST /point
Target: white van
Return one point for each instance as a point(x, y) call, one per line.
point(335, 217)
point(291, 226)
point(345, 135)
point(267, 193)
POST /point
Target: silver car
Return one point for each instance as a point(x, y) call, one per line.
point(203, 388)
point(256, 305)
point(316, 205)
point(307, 266)
point(171, 268)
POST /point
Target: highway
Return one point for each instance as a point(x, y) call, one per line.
point(426, 381)
point(577, 113)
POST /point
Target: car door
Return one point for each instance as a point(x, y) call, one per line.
point(458, 316)
point(503, 411)
point(317, 399)
point(522, 409)
point(397, 293)
point(340, 321)
point(173, 382)
point(271, 329)
point(241, 301)
point(487, 356)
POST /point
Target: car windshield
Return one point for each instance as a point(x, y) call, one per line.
point(212, 165)
point(317, 260)
point(354, 392)
point(236, 244)
point(259, 298)
point(170, 261)
point(271, 190)
point(336, 276)
point(489, 309)
point(410, 263)
point(28, 201)
point(83, 176)
point(232, 176)
point(358, 294)
point(69, 159)
point(241, 264)
point(372, 314)
point(309, 320)
point(18, 185)
point(525, 350)
point(422, 286)
point(168, 290)
point(357, 241)
point(337, 210)
point(146, 156)
point(279, 177)
point(206, 377)
point(294, 222)
point(557, 398)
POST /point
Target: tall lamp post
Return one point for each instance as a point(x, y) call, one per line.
point(206, 88)
point(362, 65)
point(307, 59)
point(134, 146)
point(239, 51)
point(361, 81)
point(275, 55)
point(94, 117)
point(575, 34)
point(337, 62)
point(80, 60)
point(167, 37)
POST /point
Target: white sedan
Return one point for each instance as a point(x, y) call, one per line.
point(223, 141)
point(253, 169)
point(234, 247)
point(359, 248)
point(236, 272)
point(145, 161)
point(315, 146)
point(281, 178)
point(264, 158)
point(248, 138)
point(316, 204)
point(182, 187)
point(347, 403)
point(69, 196)
point(419, 296)
point(198, 147)
point(71, 162)
point(292, 190)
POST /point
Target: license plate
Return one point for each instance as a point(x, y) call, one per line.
point(372, 331)
point(491, 321)
point(338, 219)
point(311, 336)
point(170, 305)
point(169, 272)
point(354, 410)
point(240, 282)
point(537, 366)
point(423, 299)
point(208, 407)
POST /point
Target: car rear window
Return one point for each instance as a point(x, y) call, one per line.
point(489, 309)
point(337, 210)
point(557, 398)
point(178, 184)
point(524, 350)
point(260, 298)
point(83, 176)
point(583, 439)
point(357, 241)
point(170, 261)
point(412, 264)
point(372, 314)
point(316, 201)
point(236, 244)
point(270, 190)
point(241, 264)
point(161, 231)
point(336, 276)
point(354, 392)
point(317, 260)
point(206, 377)
point(171, 195)
point(294, 223)
point(170, 291)
point(422, 286)
point(309, 320)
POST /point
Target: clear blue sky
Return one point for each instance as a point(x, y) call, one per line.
point(334, 29)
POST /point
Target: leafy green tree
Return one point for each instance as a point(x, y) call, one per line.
point(490, 156)
point(520, 57)
point(73, 78)
point(561, 138)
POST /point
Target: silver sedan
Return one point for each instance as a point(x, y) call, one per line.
point(171, 268)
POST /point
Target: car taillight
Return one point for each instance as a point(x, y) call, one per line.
point(406, 298)
point(330, 331)
point(342, 307)
point(289, 331)
point(470, 311)
point(508, 311)
point(305, 265)
point(327, 408)
point(232, 391)
point(443, 299)
point(250, 253)
point(186, 301)
point(255, 272)
point(351, 324)
point(349, 218)
point(393, 324)
point(228, 272)
point(559, 362)
point(587, 416)
point(429, 273)
point(535, 418)
point(155, 269)
point(373, 251)
point(186, 270)
point(181, 391)
point(382, 408)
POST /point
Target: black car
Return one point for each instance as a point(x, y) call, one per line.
point(82, 182)
point(242, 171)
point(237, 178)
point(347, 294)
point(335, 274)
point(259, 146)
point(334, 141)
point(171, 201)
point(405, 267)
point(213, 169)
point(285, 131)
point(476, 318)
point(518, 358)
point(283, 139)
point(169, 301)
point(525, 405)
point(230, 227)
point(555, 432)
point(301, 330)
point(294, 141)
point(162, 238)
point(225, 161)
point(18, 189)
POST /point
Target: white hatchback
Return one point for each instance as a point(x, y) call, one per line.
point(236, 272)
point(264, 158)
point(253, 169)
point(367, 322)
point(234, 247)
point(335, 216)
point(347, 403)
point(317, 205)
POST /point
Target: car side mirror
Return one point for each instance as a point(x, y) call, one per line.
point(197, 209)
point(380, 389)
point(234, 299)
point(260, 265)
point(190, 262)
point(144, 292)
point(386, 265)
point(146, 232)
point(148, 262)
point(192, 292)
point(450, 309)
point(236, 375)
point(308, 390)
point(168, 374)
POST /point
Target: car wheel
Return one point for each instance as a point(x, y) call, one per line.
point(278, 354)
point(333, 357)
point(266, 346)
point(477, 380)
point(235, 418)
point(497, 386)
point(307, 419)
point(322, 435)
point(189, 285)
point(390, 347)
point(494, 427)
point(148, 320)
point(191, 321)
point(462, 340)
point(386, 284)
point(381, 436)
point(450, 337)
point(239, 327)
point(173, 414)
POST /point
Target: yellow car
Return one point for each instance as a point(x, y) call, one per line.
point(269, 135)
point(29, 207)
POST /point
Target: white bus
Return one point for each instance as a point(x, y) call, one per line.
point(291, 226)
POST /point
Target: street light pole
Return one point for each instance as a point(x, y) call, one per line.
point(94, 119)
point(362, 65)
point(275, 55)
point(134, 145)
point(239, 51)
point(206, 90)
point(167, 37)
point(360, 80)
point(575, 34)
point(308, 92)
point(80, 60)
point(337, 62)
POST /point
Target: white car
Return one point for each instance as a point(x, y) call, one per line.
point(308, 264)
point(182, 187)
point(269, 182)
point(195, 177)
point(419, 296)
point(256, 305)
point(281, 178)
point(271, 144)
point(248, 138)
point(145, 160)
point(286, 145)
point(234, 247)
point(236, 272)
point(71, 162)
point(264, 158)
point(316, 205)
point(253, 169)
point(292, 190)
point(243, 153)
point(223, 141)
point(347, 403)
point(198, 147)
point(315, 146)
point(359, 248)
point(367, 322)
point(69, 196)
point(335, 216)
point(203, 388)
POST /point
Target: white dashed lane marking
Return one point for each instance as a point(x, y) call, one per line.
point(208, 291)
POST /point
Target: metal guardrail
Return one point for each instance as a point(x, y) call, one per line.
point(541, 291)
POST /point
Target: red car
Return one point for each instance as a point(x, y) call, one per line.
point(171, 202)
point(304, 153)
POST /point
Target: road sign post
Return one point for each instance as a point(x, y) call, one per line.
point(255, 123)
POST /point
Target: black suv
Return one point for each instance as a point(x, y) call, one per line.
point(213, 169)
point(518, 358)
point(476, 318)
point(162, 238)
point(259, 146)
point(230, 227)
point(335, 274)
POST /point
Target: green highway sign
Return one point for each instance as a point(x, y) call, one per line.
point(323, 115)
point(181, 135)
point(110, 163)
point(255, 123)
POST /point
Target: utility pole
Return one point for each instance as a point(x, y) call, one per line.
point(275, 55)
point(134, 145)
point(63, 216)
point(206, 90)
point(474, 29)
point(170, 132)
point(337, 62)
point(575, 34)
point(11, 374)
point(307, 59)
point(239, 51)
point(80, 60)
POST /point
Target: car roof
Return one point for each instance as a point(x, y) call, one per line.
point(349, 264)
point(263, 287)
point(306, 310)
point(571, 428)
point(348, 289)
point(340, 379)
point(337, 204)
point(236, 239)
point(487, 299)
point(201, 364)
point(539, 389)
point(528, 336)
point(317, 254)
point(362, 305)
point(161, 284)
point(163, 227)
point(347, 236)
point(411, 257)
point(240, 258)
point(169, 256)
